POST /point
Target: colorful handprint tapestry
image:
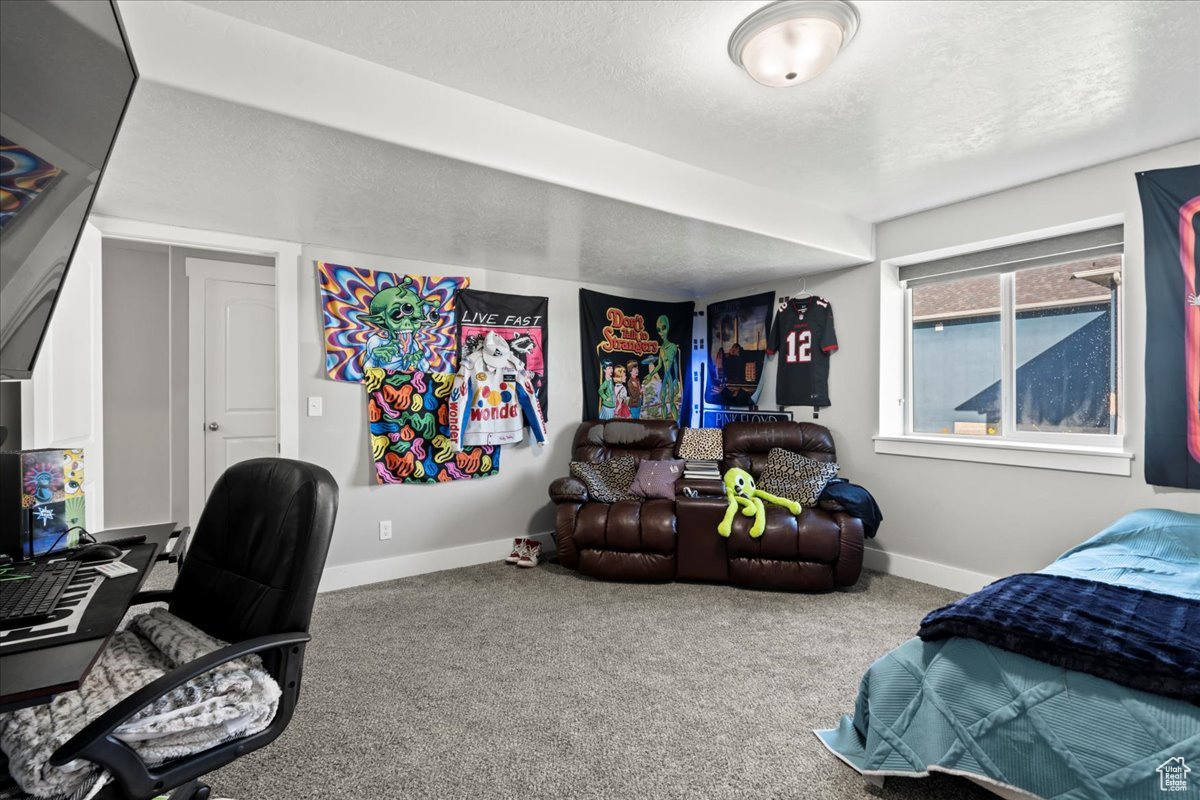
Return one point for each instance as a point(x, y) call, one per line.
point(399, 323)
point(409, 418)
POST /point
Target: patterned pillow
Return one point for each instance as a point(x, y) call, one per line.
point(607, 481)
point(701, 444)
point(795, 477)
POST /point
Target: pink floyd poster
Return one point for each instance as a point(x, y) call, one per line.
point(634, 357)
point(737, 349)
point(398, 323)
point(23, 177)
point(520, 319)
point(1171, 222)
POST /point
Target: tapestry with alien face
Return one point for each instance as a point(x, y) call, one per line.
point(409, 419)
point(399, 323)
point(635, 356)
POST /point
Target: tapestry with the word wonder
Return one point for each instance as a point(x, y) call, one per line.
point(634, 356)
point(520, 319)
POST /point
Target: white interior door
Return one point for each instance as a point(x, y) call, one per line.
point(237, 390)
point(65, 393)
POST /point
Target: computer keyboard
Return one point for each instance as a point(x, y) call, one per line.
point(29, 593)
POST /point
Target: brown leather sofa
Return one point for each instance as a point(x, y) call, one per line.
point(660, 540)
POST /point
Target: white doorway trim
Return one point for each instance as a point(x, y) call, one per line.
point(287, 286)
point(199, 270)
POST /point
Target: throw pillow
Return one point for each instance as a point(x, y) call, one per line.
point(607, 481)
point(795, 477)
point(701, 444)
point(657, 478)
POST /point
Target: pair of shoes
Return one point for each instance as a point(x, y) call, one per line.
point(524, 553)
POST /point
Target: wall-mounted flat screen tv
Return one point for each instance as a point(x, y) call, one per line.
point(66, 76)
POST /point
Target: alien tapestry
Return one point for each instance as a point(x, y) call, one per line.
point(401, 323)
point(635, 358)
point(1171, 221)
point(409, 419)
point(520, 319)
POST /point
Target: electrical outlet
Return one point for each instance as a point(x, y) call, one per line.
point(315, 406)
point(385, 529)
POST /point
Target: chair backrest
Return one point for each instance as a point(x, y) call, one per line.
point(257, 553)
point(748, 443)
point(645, 440)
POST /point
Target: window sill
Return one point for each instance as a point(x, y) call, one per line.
point(1070, 458)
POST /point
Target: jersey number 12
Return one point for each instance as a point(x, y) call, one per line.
point(799, 348)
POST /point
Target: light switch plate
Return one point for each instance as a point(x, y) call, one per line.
point(315, 406)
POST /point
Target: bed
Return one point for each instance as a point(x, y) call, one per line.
point(1023, 727)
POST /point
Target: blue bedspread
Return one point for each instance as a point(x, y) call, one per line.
point(965, 707)
point(1133, 637)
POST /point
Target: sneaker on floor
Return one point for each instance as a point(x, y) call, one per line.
point(530, 558)
point(518, 550)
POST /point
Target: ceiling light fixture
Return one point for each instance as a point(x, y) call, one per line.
point(792, 41)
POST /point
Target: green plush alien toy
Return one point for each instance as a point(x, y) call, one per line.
point(741, 491)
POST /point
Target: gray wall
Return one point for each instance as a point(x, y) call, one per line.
point(436, 516)
point(137, 323)
point(985, 518)
point(145, 319)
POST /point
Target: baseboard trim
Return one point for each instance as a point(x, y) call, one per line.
point(931, 572)
point(361, 573)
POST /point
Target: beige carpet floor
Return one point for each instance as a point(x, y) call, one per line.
point(494, 682)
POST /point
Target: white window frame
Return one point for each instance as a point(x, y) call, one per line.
point(1078, 452)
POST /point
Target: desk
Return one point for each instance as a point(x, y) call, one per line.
point(33, 677)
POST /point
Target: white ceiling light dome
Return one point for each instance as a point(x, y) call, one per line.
point(792, 41)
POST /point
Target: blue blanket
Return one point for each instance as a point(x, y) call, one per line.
point(962, 706)
point(1133, 637)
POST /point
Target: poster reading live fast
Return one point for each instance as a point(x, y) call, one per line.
point(1171, 221)
point(520, 319)
point(634, 357)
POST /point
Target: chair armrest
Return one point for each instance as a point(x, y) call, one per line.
point(568, 490)
point(151, 596)
point(96, 742)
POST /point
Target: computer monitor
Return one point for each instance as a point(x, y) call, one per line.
point(42, 497)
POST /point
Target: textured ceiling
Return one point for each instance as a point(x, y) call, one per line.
point(201, 162)
point(933, 102)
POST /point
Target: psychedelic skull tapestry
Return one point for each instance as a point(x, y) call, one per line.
point(399, 323)
point(409, 419)
point(23, 177)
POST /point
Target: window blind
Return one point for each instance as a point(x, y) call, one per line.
point(1041, 253)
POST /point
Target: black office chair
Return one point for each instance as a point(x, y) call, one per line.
point(250, 578)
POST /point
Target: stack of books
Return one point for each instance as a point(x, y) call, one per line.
point(706, 470)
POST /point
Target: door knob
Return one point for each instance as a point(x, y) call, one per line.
point(212, 426)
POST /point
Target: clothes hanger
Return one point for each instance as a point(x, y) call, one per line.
point(803, 289)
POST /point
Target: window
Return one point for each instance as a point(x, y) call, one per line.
point(1018, 345)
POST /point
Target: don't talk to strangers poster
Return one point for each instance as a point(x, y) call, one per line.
point(634, 357)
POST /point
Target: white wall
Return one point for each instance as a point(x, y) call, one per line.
point(983, 518)
point(431, 517)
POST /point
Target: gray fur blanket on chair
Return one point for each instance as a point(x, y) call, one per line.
point(236, 699)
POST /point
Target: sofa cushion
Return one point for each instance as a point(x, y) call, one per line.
point(657, 479)
point(795, 477)
point(606, 481)
point(701, 444)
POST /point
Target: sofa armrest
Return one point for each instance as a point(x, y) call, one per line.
point(568, 490)
point(704, 487)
